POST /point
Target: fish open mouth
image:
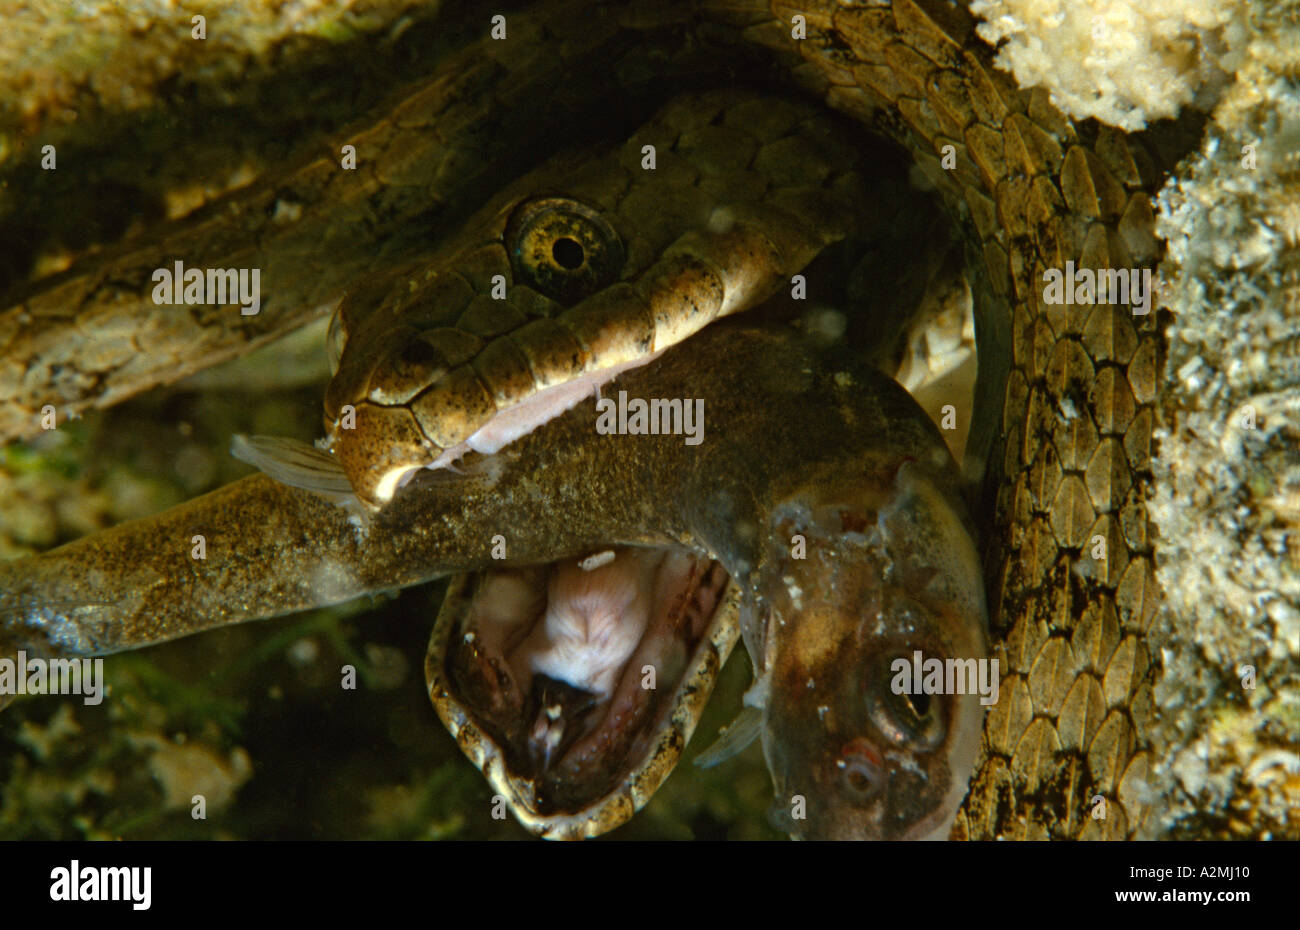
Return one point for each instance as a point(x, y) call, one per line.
point(574, 686)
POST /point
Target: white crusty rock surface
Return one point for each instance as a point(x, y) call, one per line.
point(1124, 62)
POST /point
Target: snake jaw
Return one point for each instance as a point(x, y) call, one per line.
point(378, 448)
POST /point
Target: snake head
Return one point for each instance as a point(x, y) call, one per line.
point(863, 739)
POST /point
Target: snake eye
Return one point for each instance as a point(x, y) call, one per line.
point(562, 248)
point(905, 717)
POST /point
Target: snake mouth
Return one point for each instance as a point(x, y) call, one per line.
point(574, 686)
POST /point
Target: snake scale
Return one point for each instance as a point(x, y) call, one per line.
point(1068, 457)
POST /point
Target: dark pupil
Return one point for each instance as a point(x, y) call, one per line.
point(567, 253)
point(920, 703)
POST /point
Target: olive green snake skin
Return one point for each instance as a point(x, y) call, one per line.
point(1072, 720)
point(1070, 461)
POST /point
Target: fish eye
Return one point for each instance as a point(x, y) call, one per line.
point(907, 718)
point(563, 248)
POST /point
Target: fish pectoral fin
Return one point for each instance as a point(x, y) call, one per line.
point(734, 738)
point(296, 464)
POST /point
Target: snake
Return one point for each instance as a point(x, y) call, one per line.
point(1065, 397)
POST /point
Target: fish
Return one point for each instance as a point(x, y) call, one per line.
point(843, 562)
point(800, 443)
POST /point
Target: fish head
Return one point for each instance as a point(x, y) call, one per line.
point(863, 578)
